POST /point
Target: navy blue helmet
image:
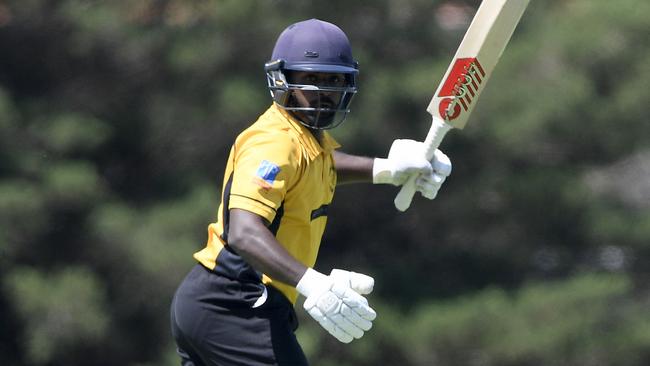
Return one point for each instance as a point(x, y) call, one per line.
point(312, 73)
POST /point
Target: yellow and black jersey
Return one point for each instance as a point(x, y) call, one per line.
point(278, 170)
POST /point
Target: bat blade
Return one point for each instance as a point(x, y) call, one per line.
point(475, 59)
point(467, 75)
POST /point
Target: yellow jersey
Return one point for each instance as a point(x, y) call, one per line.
point(276, 169)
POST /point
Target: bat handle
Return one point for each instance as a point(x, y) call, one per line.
point(438, 130)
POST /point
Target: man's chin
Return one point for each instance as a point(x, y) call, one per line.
point(315, 119)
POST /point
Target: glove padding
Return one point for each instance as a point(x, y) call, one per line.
point(360, 283)
point(407, 157)
point(335, 305)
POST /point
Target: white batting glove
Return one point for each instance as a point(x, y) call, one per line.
point(407, 157)
point(359, 282)
point(428, 185)
point(338, 308)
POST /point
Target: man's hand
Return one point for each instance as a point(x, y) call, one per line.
point(359, 282)
point(339, 308)
point(407, 157)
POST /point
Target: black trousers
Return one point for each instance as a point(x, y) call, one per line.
point(214, 322)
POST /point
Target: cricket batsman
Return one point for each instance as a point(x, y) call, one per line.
point(236, 305)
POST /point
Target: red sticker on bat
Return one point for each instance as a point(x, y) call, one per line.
point(460, 88)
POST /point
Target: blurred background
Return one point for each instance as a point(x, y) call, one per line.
point(116, 118)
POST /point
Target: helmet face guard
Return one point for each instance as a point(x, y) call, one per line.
point(321, 48)
point(315, 106)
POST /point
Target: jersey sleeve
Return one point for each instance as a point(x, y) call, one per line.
point(265, 166)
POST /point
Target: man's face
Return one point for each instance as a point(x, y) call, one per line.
point(316, 98)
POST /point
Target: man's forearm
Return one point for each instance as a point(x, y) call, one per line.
point(253, 241)
point(353, 168)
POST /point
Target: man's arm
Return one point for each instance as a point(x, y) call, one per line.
point(335, 301)
point(405, 158)
point(249, 236)
point(352, 168)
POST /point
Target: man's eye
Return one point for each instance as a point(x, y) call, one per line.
point(338, 80)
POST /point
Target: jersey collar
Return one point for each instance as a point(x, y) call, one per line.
point(307, 139)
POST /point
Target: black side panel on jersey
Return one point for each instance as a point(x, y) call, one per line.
point(229, 263)
point(321, 211)
point(225, 203)
point(275, 225)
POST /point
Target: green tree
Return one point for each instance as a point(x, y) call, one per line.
point(116, 119)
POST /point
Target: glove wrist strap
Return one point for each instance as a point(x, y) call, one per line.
point(381, 171)
point(311, 281)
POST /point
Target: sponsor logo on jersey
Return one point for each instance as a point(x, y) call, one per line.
point(266, 174)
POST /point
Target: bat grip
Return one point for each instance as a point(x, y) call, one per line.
point(437, 131)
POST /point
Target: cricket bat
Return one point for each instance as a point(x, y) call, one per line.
point(478, 53)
